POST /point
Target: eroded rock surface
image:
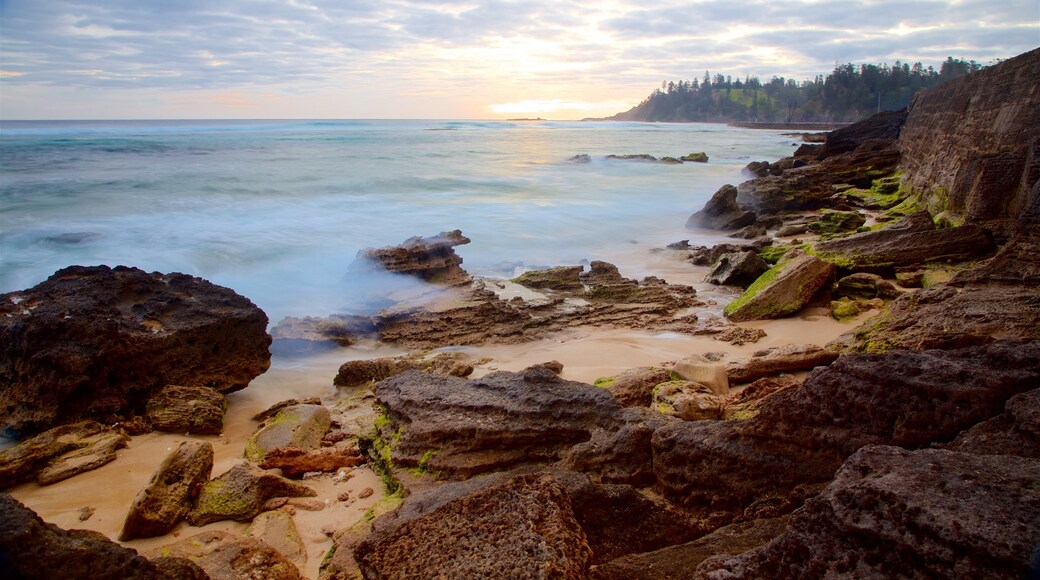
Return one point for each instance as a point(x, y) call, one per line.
point(96, 342)
point(59, 453)
point(784, 359)
point(178, 409)
point(240, 493)
point(296, 426)
point(170, 493)
point(227, 556)
point(785, 289)
point(432, 259)
point(722, 212)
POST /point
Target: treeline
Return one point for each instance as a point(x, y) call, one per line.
point(849, 93)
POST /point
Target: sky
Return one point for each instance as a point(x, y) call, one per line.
point(400, 59)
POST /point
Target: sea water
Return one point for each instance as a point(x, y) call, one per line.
point(278, 210)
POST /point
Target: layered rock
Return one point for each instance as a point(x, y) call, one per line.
point(432, 259)
point(784, 289)
point(1015, 432)
point(59, 453)
point(362, 372)
point(560, 278)
point(784, 359)
point(461, 428)
point(226, 555)
point(722, 212)
point(892, 512)
point(96, 342)
point(170, 492)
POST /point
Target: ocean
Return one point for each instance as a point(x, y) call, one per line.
point(278, 210)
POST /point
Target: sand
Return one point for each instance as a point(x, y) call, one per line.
point(586, 353)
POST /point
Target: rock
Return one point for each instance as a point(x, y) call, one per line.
point(677, 561)
point(699, 157)
point(96, 342)
point(170, 493)
point(970, 146)
point(802, 435)
point(670, 160)
point(524, 527)
point(24, 461)
point(432, 259)
point(700, 369)
point(580, 158)
point(845, 308)
point(298, 427)
point(461, 428)
point(276, 408)
point(910, 277)
point(240, 493)
point(687, 400)
point(722, 212)
point(747, 402)
point(751, 232)
point(792, 230)
point(554, 365)
point(362, 372)
point(911, 240)
point(784, 289)
point(179, 568)
point(32, 548)
point(739, 335)
point(738, 269)
point(295, 462)
point(833, 222)
point(783, 359)
point(278, 530)
point(709, 256)
point(1016, 432)
point(865, 285)
point(227, 556)
point(633, 387)
point(883, 126)
point(619, 456)
point(891, 512)
point(633, 157)
point(311, 334)
point(178, 409)
point(560, 278)
point(99, 450)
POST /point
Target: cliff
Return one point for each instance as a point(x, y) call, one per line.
point(971, 148)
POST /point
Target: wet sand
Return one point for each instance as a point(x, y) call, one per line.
point(586, 353)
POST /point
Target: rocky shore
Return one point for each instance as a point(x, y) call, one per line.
point(453, 442)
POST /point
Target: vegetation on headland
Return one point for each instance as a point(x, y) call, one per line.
point(849, 93)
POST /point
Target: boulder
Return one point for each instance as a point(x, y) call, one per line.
point(687, 400)
point(97, 342)
point(748, 401)
point(178, 409)
point(802, 435)
point(789, 230)
point(864, 285)
point(624, 455)
point(722, 212)
point(633, 157)
point(32, 548)
point(699, 157)
point(295, 462)
point(227, 556)
point(461, 428)
point(560, 278)
point(892, 512)
point(633, 387)
point(703, 256)
point(99, 450)
point(523, 527)
point(783, 359)
point(703, 370)
point(298, 427)
point(277, 529)
point(737, 269)
point(909, 241)
point(170, 493)
point(432, 259)
point(24, 461)
point(240, 493)
point(362, 372)
point(784, 289)
point(751, 232)
point(1015, 432)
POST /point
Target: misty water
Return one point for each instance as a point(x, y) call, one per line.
point(277, 210)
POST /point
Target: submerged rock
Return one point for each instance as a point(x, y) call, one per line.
point(784, 289)
point(96, 342)
point(170, 493)
point(432, 259)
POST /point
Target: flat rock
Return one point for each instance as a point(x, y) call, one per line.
point(170, 492)
point(783, 359)
point(784, 289)
point(277, 529)
point(461, 428)
point(297, 426)
point(178, 409)
point(97, 342)
point(295, 462)
point(33, 548)
point(522, 528)
point(893, 512)
point(99, 450)
point(240, 493)
point(432, 259)
point(25, 460)
point(362, 372)
point(722, 212)
point(227, 556)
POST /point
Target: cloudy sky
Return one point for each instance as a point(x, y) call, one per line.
point(68, 59)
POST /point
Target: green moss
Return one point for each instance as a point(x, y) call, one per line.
point(605, 382)
point(844, 309)
point(757, 286)
point(217, 498)
point(773, 254)
point(388, 503)
point(674, 376)
point(833, 222)
point(664, 408)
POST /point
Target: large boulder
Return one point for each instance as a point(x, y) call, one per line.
point(924, 514)
point(523, 528)
point(170, 493)
point(97, 342)
point(461, 428)
point(32, 548)
point(722, 212)
point(240, 493)
point(432, 259)
point(784, 289)
point(227, 556)
point(178, 409)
